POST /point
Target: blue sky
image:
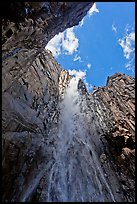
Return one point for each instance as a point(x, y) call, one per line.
point(102, 44)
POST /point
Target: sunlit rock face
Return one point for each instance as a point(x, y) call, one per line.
point(113, 108)
point(61, 143)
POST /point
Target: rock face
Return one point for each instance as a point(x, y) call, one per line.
point(35, 23)
point(114, 117)
point(59, 142)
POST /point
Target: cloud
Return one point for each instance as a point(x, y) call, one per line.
point(70, 42)
point(132, 36)
point(128, 43)
point(77, 73)
point(54, 45)
point(93, 10)
point(130, 65)
point(88, 66)
point(65, 42)
point(77, 58)
point(114, 28)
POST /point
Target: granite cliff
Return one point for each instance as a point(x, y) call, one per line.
point(59, 142)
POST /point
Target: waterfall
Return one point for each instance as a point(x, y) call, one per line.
point(77, 174)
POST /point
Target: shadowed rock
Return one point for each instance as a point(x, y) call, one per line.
point(59, 141)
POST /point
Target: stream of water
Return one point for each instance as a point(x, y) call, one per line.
point(76, 174)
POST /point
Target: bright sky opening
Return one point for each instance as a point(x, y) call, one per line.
point(101, 45)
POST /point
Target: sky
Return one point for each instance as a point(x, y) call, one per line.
point(101, 45)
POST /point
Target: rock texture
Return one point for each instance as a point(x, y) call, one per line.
point(34, 87)
point(114, 117)
point(29, 25)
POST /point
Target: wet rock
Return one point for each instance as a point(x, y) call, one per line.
point(103, 158)
point(34, 88)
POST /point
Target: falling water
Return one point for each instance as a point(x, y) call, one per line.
point(76, 174)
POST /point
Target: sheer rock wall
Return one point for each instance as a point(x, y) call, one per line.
point(33, 84)
point(113, 113)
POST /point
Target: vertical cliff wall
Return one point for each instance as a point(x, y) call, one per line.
point(113, 114)
point(59, 142)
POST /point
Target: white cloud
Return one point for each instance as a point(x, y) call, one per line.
point(128, 43)
point(70, 43)
point(93, 10)
point(114, 28)
point(77, 58)
point(88, 66)
point(132, 36)
point(130, 64)
point(77, 73)
point(54, 45)
point(65, 42)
